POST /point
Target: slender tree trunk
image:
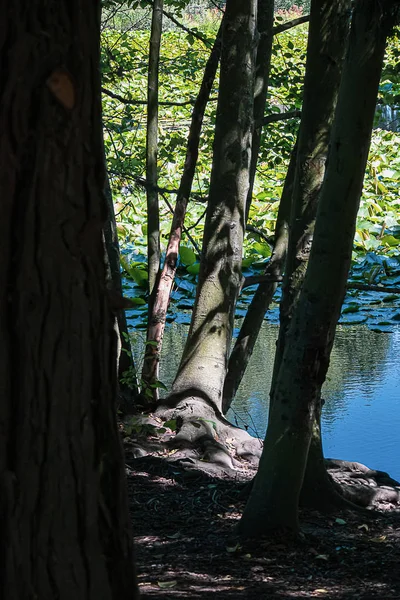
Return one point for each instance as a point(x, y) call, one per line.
point(328, 32)
point(164, 282)
point(202, 370)
point(126, 394)
point(265, 22)
point(64, 522)
point(274, 498)
point(153, 217)
point(244, 345)
point(329, 26)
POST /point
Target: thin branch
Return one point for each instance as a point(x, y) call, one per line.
point(255, 279)
point(284, 116)
point(195, 34)
point(144, 102)
point(141, 181)
point(290, 24)
point(195, 246)
point(198, 221)
point(260, 232)
point(366, 287)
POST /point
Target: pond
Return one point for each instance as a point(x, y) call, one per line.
point(361, 415)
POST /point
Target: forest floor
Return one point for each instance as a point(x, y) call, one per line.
point(183, 523)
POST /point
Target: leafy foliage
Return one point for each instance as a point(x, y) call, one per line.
point(183, 57)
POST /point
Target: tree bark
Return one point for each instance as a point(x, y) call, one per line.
point(273, 502)
point(328, 33)
point(64, 526)
point(126, 394)
point(153, 217)
point(162, 289)
point(265, 21)
point(244, 345)
point(204, 361)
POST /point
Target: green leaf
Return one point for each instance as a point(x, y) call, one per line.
point(187, 256)
point(193, 269)
point(351, 308)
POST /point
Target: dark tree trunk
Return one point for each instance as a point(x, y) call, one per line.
point(153, 217)
point(126, 393)
point(273, 501)
point(262, 298)
point(265, 21)
point(64, 528)
point(328, 33)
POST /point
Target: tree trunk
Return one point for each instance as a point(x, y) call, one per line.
point(265, 22)
point(273, 502)
point(244, 345)
point(64, 527)
point(126, 394)
point(153, 217)
point(203, 366)
point(328, 33)
point(162, 289)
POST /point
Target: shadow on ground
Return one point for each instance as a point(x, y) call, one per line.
point(183, 522)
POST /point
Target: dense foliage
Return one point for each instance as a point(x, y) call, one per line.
point(183, 57)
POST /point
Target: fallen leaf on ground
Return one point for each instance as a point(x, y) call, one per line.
point(166, 584)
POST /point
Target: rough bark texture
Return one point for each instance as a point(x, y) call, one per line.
point(165, 279)
point(273, 502)
point(265, 21)
point(328, 32)
point(153, 218)
point(64, 527)
point(262, 298)
point(202, 370)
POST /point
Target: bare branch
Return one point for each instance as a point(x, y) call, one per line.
point(290, 24)
point(195, 34)
point(170, 207)
point(143, 102)
point(366, 287)
point(284, 116)
point(260, 232)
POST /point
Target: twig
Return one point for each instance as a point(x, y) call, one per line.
point(252, 229)
point(195, 246)
point(195, 34)
point(143, 102)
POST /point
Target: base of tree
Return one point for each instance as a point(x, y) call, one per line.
point(192, 435)
point(197, 437)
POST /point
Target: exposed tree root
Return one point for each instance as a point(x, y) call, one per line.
point(363, 486)
point(201, 440)
point(216, 440)
point(198, 438)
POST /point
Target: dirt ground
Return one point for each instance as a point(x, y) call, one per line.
point(183, 523)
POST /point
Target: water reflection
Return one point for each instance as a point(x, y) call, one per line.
point(361, 416)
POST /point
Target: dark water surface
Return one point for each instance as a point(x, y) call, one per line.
point(361, 416)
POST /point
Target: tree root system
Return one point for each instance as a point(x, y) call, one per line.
point(195, 437)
